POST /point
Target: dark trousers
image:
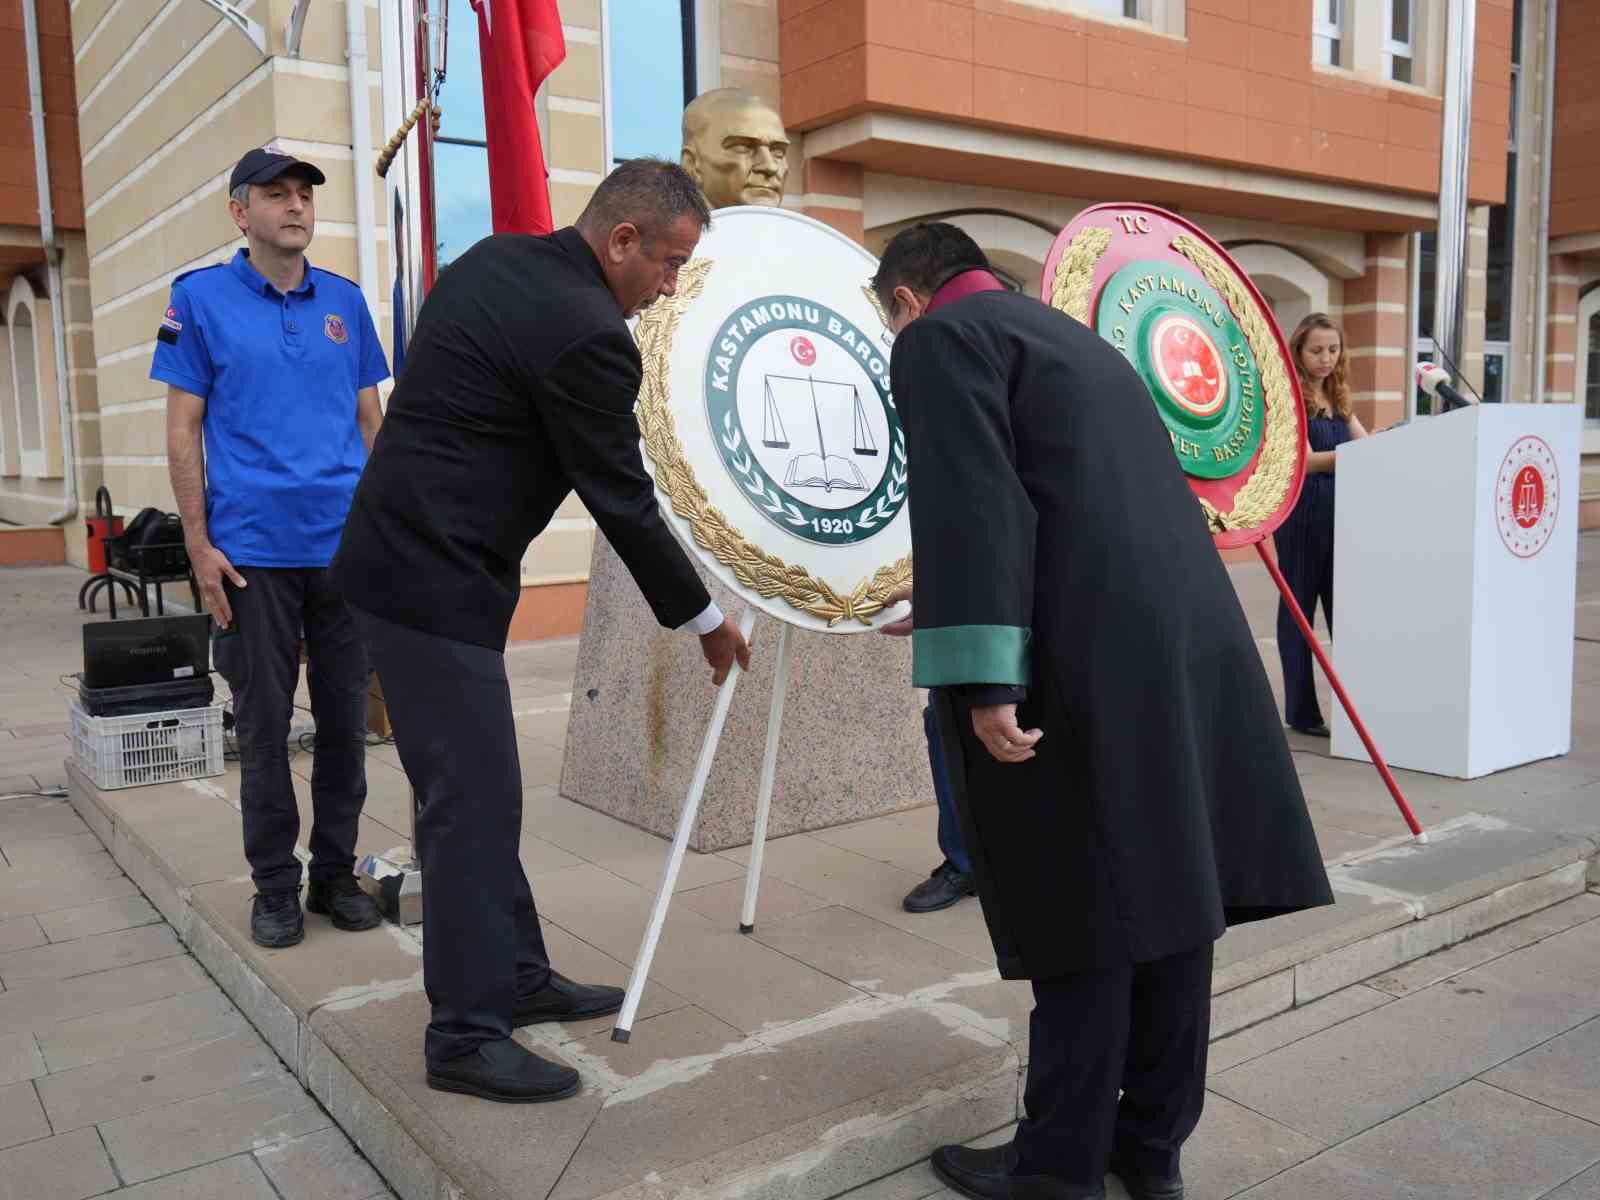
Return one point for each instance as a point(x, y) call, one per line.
point(951, 843)
point(1305, 555)
point(481, 945)
point(1139, 1030)
point(257, 655)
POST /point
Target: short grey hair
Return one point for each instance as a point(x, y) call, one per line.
point(241, 194)
point(647, 193)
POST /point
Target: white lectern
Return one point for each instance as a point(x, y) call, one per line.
point(1455, 576)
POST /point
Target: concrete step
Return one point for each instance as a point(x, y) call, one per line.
point(833, 1049)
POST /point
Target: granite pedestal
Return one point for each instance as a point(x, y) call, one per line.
point(852, 745)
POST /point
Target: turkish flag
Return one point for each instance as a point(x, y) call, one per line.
point(520, 43)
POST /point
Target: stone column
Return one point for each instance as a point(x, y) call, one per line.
point(1374, 320)
point(852, 747)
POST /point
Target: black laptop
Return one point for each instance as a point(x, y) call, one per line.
point(151, 650)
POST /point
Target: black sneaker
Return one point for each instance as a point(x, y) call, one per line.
point(342, 899)
point(505, 1071)
point(276, 920)
point(940, 890)
point(990, 1175)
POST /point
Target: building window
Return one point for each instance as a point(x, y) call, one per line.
point(25, 393)
point(650, 70)
point(1327, 33)
point(461, 155)
point(1591, 379)
point(1399, 50)
point(1118, 8)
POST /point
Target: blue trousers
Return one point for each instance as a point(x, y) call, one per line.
point(951, 844)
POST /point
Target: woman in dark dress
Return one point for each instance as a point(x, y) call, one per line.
point(1305, 539)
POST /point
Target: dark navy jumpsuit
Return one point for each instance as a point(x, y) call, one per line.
point(1305, 553)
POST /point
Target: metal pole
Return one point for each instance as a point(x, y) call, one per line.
point(1449, 310)
point(769, 771)
point(680, 844)
point(1541, 266)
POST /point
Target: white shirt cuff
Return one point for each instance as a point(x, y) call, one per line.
point(706, 621)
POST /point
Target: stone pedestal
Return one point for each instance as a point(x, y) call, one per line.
point(852, 745)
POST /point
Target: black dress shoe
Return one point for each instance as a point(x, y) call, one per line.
point(1142, 1186)
point(1319, 730)
point(562, 1000)
point(987, 1175)
point(940, 890)
point(505, 1071)
point(342, 899)
point(276, 920)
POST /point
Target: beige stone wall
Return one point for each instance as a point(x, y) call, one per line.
point(170, 96)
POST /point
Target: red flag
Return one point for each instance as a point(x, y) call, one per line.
point(520, 43)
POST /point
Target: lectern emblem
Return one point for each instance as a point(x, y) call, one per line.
point(1527, 495)
point(798, 402)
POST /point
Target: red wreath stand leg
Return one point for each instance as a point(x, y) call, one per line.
point(1338, 690)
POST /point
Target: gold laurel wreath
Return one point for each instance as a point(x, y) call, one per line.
point(765, 574)
point(1264, 491)
point(1075, 272)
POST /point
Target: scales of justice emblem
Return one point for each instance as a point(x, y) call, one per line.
point(798, 401)
point(1527, 496)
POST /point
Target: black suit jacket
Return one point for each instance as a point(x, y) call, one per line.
point(518, 388)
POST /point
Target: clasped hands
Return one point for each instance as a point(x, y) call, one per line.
point(995, 724)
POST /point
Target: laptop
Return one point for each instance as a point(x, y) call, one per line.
point(150, 650)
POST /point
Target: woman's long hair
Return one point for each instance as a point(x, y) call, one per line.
point(1336, 388)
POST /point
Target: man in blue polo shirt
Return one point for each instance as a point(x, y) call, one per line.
point(272, 367)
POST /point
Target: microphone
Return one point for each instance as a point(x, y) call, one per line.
point(1434, 380)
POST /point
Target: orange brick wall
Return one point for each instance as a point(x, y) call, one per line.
point(19, 199)
point(1239, 89)
point(1575, 161)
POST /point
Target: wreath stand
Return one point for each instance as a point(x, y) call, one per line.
point(691, 809)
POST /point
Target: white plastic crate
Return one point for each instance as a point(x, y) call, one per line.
point(157, 747)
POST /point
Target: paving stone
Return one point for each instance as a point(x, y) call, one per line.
point(1477, 917)
point(47, 893)
point(864, 953)
point(576, 959)
point(30, 818)
point(38, 1006)
point(19, 933)
point(1234, 1148)
point(242, 984)
point(255, 1116)
point(1381, 1063)
point(21, 1116)
point(19, 1058)
point(1581, 1187)
point(70, 1167)
point(167, 1022)
point(1289, 1027)
point(662, 1049)
point(237, 1178)
point(1564, 1073)
point(1350, 964)
point(1474, 1140)
point(1261, 948)
point(1463, 956)
point(886, 839)
point(319, 1166)
point(152, 1078)
point(723, 903)
point(68, 851)
point(103, 952)
point(106, 916)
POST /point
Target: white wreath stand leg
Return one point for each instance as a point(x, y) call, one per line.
point(691, 808)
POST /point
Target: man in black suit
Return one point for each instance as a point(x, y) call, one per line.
point(519, 387)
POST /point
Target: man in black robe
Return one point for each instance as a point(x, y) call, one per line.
point(1124, 786)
